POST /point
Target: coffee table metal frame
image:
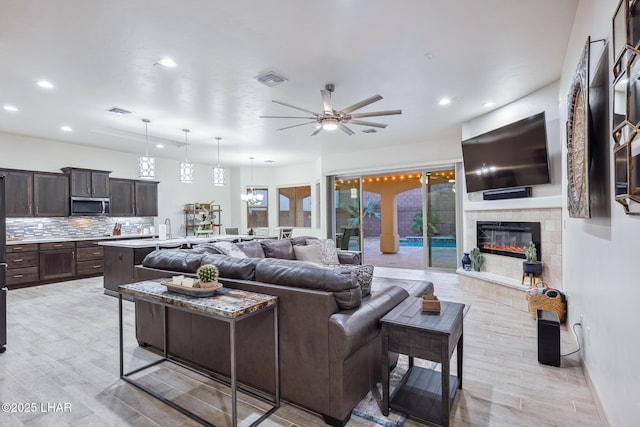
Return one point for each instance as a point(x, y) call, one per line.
point(407, 330)
point(233, 382)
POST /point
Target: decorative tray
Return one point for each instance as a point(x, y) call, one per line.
point(193, 292)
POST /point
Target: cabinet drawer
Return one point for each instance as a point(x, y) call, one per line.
point(89, 267)
point(87, 243)
point(31, 247)
point(18, 260)
point(57, 245)
point(22, 275)
point(85, 254)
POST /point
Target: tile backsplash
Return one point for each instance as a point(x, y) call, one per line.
point(82, 226)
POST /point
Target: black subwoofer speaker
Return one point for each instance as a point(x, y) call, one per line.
point(548, 338)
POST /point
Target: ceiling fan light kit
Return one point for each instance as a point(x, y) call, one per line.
point(331, 119)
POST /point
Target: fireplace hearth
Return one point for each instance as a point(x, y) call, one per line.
point(507, 238)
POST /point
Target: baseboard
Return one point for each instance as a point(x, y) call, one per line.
point(594, 395)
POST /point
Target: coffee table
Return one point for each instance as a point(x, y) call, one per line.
point(423, 393)
point(227, 305)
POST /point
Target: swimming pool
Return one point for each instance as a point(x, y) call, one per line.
point(435, 243)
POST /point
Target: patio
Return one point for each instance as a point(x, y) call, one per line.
point(408, 256)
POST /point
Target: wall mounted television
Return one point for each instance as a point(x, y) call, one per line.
point(514, 155)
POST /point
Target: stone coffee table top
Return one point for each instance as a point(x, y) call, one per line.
point(227, 303)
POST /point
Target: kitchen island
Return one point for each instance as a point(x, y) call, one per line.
point(121, 257)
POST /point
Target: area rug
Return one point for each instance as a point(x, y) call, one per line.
point(369, 408)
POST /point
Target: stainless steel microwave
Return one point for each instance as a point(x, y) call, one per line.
point(89, 206)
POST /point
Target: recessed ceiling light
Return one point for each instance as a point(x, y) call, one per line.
point(167, 62)
point(428, 55)
point(45, 84)
point(269, 161)
point(488, 104)
point(444, 101)
point(159, 146)
point(66, 128)
point(10, 108)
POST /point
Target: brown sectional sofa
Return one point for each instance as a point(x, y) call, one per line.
point(329, 343)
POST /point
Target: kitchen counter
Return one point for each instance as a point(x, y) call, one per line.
point(174, 243)
point(78, 239)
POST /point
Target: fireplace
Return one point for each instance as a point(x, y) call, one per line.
point(507, 238)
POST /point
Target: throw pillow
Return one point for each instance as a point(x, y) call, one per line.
point(328, 248)
point(311, 253)
point(230, 249)
point(364, 273)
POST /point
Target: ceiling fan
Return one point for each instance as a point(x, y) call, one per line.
point(331, 119)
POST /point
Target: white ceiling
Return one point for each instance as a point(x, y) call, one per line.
point(101, 54)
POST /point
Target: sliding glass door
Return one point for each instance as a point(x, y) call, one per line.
point(347, 211)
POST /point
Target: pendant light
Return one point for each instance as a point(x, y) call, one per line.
point(218, 172)
point(252, 198)
point(186, 168)
point(146, 164)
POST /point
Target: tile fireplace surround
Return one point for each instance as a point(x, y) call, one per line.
point(500, 278)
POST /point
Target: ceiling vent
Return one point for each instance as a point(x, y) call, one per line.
point(120, 111)
point(370, 130)
point(270, 78)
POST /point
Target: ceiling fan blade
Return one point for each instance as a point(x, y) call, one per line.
point(297, 108)
point(317, 131)
point(301, 124)
point(375, 114)
point(286, 117)
point(361, 104)
point(345, 129)
point(326, 101)
point(365, 123)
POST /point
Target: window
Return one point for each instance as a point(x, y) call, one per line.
point(294, 206)
point(258, 215)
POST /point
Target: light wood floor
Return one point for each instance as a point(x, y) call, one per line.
point(63, 348)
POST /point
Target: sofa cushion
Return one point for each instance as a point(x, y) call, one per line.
point(183, 261)
point(328, 248)
point(230, 249)
point(253, 249)
point(281, 249)
point(311, 253)
point(202, 248)
point(363, 273)
point(301, 240)
point(233, 268)
point(342, 284)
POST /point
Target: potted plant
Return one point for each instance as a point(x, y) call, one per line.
point(208, 276)
point(477, 259)
point(531, 265)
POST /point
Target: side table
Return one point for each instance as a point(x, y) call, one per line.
point(423, 393)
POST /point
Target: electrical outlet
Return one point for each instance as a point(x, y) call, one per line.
point(40, 226)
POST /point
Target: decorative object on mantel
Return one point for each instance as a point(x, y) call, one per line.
point(218, 171)
point(430, 304)
point(477, 259)
point(578, 140)
point(208, 276)
point(466, 262)
point(252, 198)
point(548, 299)
point(146, 164)
point(531, 266)
point(186, 167)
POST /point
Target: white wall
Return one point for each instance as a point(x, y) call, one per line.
point(21, 152)
point(599, 261)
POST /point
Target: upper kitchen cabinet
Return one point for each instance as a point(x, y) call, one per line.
point(146, 198)
point(19, 185)
point(50, 194)
point(88, 183)
point(122, 197)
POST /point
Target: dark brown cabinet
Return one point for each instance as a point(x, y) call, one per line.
point(119, 263)
point(146, 198)
point(19, 188)
point(57, 260)
point(122, 197)
point(22, 264)
point(50, 194)
point(89, 258)
point(88, 183)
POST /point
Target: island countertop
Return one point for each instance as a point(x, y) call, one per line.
point(56, 239)
point(177, 242)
